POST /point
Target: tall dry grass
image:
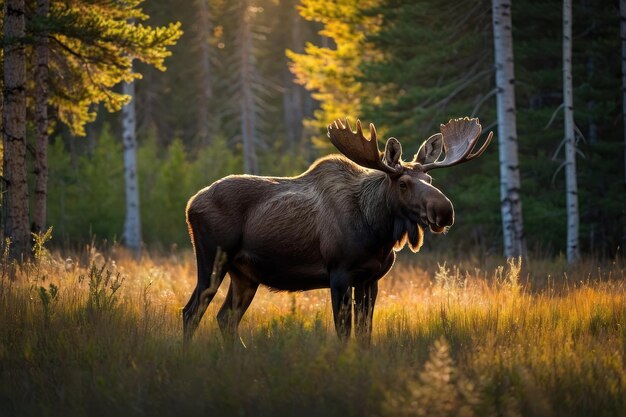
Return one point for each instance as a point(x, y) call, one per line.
point(95, 334)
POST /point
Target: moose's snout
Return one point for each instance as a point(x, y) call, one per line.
point(440, 213)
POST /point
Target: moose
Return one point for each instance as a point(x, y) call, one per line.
point(335, 226)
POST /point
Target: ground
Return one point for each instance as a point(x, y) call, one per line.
point(101, 334)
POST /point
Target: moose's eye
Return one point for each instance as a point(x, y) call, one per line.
point(402, 185)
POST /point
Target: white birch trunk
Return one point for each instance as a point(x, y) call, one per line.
point(132, 222)
point(246, 100)
point(571, 186)
point(510, 202)
point(41, 123)
point(15, 197)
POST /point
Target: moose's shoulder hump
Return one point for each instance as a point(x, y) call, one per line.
point(335, 164)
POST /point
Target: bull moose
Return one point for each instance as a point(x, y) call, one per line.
point(335, 226)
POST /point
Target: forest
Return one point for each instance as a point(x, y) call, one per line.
point(250, 87)
point(115, 113)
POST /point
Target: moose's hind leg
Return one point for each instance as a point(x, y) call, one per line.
point(240, 294)
point(206, 288)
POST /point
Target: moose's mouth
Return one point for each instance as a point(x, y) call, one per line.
point(438, 229)
point(434, 228)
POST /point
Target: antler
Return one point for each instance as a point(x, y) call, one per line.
point(357, 147)
point(460, 137)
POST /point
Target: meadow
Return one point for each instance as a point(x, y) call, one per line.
point(99, 334)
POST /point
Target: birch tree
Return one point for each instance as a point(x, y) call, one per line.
point(132, 221)
point(571, 184)
point(15, 198)
point(41, 122)
point(510, 202)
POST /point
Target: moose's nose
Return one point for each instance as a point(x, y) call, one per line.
point(441, 213)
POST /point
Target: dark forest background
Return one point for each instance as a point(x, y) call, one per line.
point(404, 65)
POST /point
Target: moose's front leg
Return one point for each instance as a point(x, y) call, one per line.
point(364, 301)
point(341, 297)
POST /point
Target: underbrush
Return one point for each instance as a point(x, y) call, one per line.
point(93, 335)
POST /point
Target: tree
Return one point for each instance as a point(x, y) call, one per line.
point(622, 13)
point(432, 66)
point(132, 222)
point(571, 184)
point(205, 86)
point(15, 199)
point(510, 202)
point(247, 102)
point(41, 121)
point(333, 71)
point(91, 44)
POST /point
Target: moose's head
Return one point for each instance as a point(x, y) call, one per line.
point(412, 198)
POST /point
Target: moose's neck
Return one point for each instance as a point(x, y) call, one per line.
point(373, 201)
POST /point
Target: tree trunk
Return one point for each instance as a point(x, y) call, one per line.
point(294, 94)
point(15, 199)
point(203, 33)
point(622, 14)
point(247, 105)
point(132, 222)
point(510, 202)
point(41, 123)
point(571, 185)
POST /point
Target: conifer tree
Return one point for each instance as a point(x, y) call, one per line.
point(91, 44)
point(333, 71)
point(15, 197)
point(202, 30)
point(41, 121)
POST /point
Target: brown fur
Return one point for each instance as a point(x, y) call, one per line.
point(297, 233)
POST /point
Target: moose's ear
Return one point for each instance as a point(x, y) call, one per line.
point(430, 149)
point(393, 152)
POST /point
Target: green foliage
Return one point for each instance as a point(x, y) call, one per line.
point(87, 197)
point(427, 61)
point(333, 72)
point(170, 194)
point(93, 44)
point(433, 64)
point(103, 287)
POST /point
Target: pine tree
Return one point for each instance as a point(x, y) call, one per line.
point(202, 30)
point(333, 71)
point(622, 14)
point(41, 121)
point(432, 66)
point(247, 102)
point(92, 45)
point(15, 198)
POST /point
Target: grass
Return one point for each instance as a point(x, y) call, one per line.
point(101, 335)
